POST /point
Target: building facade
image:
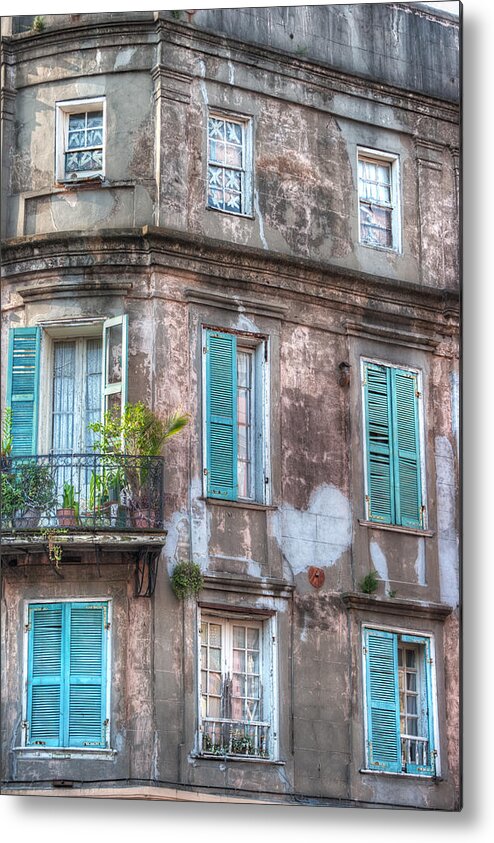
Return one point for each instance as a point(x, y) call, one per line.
point(251, 215)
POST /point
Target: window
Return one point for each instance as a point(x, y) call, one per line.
point(82, 369)
point(378, 199)
point(236, 687)
point(236, 417)
point(399, 709)
point(229, 164)
point(392, 398)
point(67, 669)
point(80, 140)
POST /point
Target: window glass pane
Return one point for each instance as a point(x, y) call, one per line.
point(410, 658)
point(239, 661)
point(238, 685)
point(252, 661)
point(76, 122)
point(93, 388)
point(94, 119)
point(253, 638)
point(239, 636)
point(215, 635)
point(253, 686)
point(214, 659)
point(204, 633)
point(114, 361)
point(233, 133)
point(214, 707)
point(214, 686)
point(63, 397)
point(411, 682)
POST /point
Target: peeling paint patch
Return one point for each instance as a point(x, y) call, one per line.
point(380, 563)
point(200, 527)
point(124, 57)
point(446, 521)
point(420, 562)
point(261, 221)
point(231, 73)
point(177, 529)
point(315, 536)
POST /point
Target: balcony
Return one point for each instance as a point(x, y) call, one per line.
point(79, 493)
point(221, 736)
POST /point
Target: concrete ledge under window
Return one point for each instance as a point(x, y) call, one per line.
point(396, 528)
point(235, 758)
point(417, 776)
point(396, 606)
point(50, 753)
point(240, 504)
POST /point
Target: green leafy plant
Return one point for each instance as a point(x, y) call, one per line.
point(137, 432)
point(69, 500)
point(7, 438)
point(391, 593)
point(38, 24)
point(12, 498)
point(36, 483)
point(369, 583)
point(54, 547)
point(186, 580)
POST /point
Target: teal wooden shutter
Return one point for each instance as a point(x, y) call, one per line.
point(22, 388)
point(383, 706)
point(44, 681)
point(85, 690)
point(221, 415)
point(426, 705)
point(378, 420)
point(406, 450)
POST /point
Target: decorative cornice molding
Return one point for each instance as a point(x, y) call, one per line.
point(90, 287)
point(392, 606)
point(237, 303)
point(392, 335)
point(265, 587)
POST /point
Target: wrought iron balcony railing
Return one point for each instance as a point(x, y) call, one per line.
point(82, 492)
point(220, 736)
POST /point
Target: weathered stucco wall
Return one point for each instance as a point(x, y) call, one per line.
point(144, 243)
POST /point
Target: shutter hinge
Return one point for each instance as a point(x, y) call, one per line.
point(364, 650)
point(25, 724)
point(27, 627)
point(265, 352)
point(266, 480)
point(418, 394)
point(204, 349)
point(430, 661)
point(205, 471)
point(106, 722)
point(274, 639)
point(107, 625)
point(434, 753)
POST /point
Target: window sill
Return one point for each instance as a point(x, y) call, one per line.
point(53, 753)
point(231, 213)
point(396, 528)
point(239, 504)
point(81, 181)
point(387, 249)
point(417, 776)
point(242, 758)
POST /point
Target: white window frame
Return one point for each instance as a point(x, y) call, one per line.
point(434, 697)
point(63, 111)
point(421, 418)
point(261, 348)
point(247, 157)
point(268, 672)
point(73, 751)
point(375, 156)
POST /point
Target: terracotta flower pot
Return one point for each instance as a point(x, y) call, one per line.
point(67, 517)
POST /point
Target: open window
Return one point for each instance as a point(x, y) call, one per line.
point(399, 702)
point(378, 198)
point(236, 692)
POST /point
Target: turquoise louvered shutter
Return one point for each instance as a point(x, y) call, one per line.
point(44, 681)
point(221, 415)
point(378, 422)
point(85, 700)
point(406, 448)
point(427, 764)
point(22, 388)
point(383, 706)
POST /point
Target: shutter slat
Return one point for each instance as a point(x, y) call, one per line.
point(407, 457)
point(86, 698)
point(378, 435)
point(221, 415)
point(45, 675)
point(22, 388)
point(383, 718)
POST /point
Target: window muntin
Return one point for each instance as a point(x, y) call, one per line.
point(81, 140)
point(236, 413)
point(399, 710)
point(233, 665)
point(67, 671)
point(378, 200)
point(393, 442)
point(229, 164)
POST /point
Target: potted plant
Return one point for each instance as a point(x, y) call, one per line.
point(37, 486)
point(68, 515)
point(138, 435)
point(7, 440)
point(11, 500)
